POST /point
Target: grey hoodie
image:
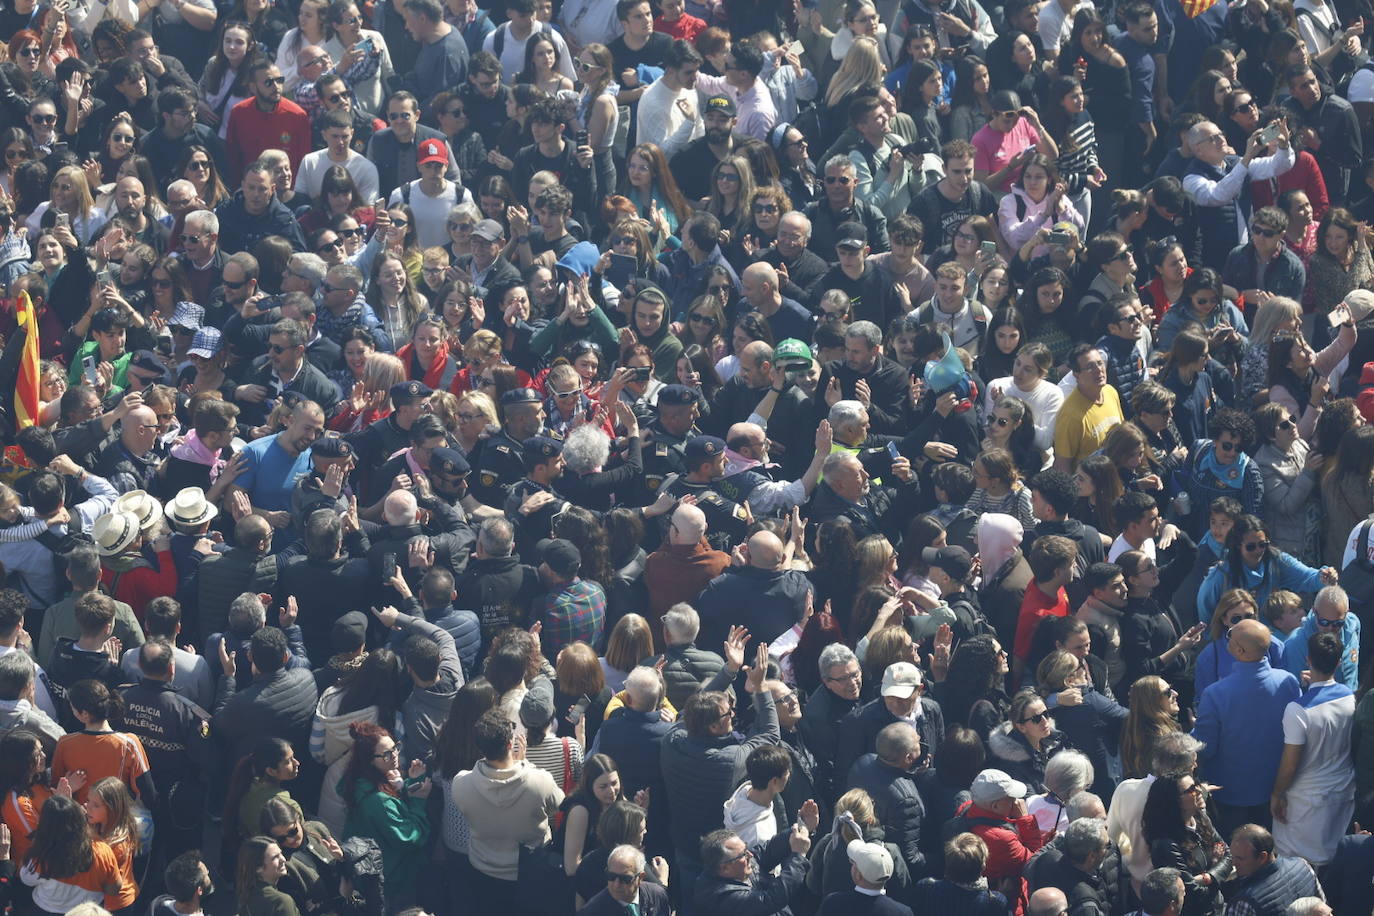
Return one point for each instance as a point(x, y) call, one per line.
point(504, 809)
point(425, 710)
point(754, 823)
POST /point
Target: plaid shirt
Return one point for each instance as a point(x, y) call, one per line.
point(577, 611)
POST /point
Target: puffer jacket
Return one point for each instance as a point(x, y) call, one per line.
point(331, 745)
point(222, 577)
point(1010, 752)
point(701, 773)
point(897, 804)
point(685, 670)
point(858, 733)
point(281, 704)
point(769, 602)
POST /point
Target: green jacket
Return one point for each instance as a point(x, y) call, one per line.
point(259, 793)
point(399, 825)
point(266, 900)
point(549, 340)
point(121, 366)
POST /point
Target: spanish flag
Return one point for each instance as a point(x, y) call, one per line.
point(26, 385)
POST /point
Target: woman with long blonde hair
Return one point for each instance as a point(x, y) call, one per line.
point(110, 813)
point(1153, 714)
point(855, 819)
point(369, 399)
point(862, 68)
point(69, 196)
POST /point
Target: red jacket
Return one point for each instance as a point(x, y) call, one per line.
point(137, 586)
point(251, 131)
point(1305, 175)
point(1010, 845)
point(678, 572)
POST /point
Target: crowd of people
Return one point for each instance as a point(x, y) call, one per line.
point(624, 457)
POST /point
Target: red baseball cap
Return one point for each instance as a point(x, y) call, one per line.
point(433, 151)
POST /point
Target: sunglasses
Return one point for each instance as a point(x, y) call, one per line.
point(351, 233)
point(400, 223)
point(461, 227)
point(1254, 546)
point(765, 208)
point(1267, 233)
point(162, 283)
point(1324, 622)
point(623, 240)
point(838, 179)
point(1228, 446)
point(621, 879)
point(1246, 106)
point(235, 284)
point(44, 119)
point(329, 246)
point(200, 165)
point(340, 96)
point(1000, 421)
point(701, 319)
point(457, 113)
point(584, 66)
point(275, 80)
point(1128, 319)
point(1287, 423)
point(278, 349)
point(1237, 618)
point(400, 115)
point(16, 154)
point(122, 138)
point(31, 52)
point(568, 394)
point(314, 61)
point(190, 240)
point(732, 177)
point(1039, 718)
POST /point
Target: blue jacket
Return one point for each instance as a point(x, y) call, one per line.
point(1215, 661)
point(1283, 572)
point(1295, 649)
point(463, 626)
point(1240, 723)
point(1179, 314)
point(1283, 276)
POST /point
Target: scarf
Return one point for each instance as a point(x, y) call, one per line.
point(1224, 475)
point(435, 374)
point(197, 452)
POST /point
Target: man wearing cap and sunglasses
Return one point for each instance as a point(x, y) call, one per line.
point(839, 206)
point(626, 886)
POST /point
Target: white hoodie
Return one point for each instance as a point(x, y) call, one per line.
point(753, 822)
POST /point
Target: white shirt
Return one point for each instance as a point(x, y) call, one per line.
point(589, 21)
point(1323, 729)
point(1120, 546)
point(661, 122)
point(513, 51)
point(431, 213)
point(1205, 192)
point(310, 174)
point(1044, 400)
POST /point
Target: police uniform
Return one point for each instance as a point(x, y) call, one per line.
point(450, 461)
point(662, 450)
point(500, 461)
point(176, 736)
point(726, 519)
point(308, 494)
point(530, 529)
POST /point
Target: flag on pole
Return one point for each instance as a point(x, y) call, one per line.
point(26, 385)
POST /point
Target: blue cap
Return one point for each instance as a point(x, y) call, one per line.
point(447, 460)
point(207, 343)
point(521, 396)
point(702, 448)
point(541, 448)
point(679, 395)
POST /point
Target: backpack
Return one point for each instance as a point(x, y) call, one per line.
point(1357, 578)
point(498, 40)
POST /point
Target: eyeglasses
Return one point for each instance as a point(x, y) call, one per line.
point(966, 236)
point(852, 676)
point(1214, 138)
point(461, 227)
point(1325, 622)
point(44, 119)
point(838, 179)
point(1039, 718)
point(469, 417)
point(389, 754)
point(147, 426)
point(584, 66)
point(568, 394)
point(318, 60)
point(340, 96)
point(1254, 546)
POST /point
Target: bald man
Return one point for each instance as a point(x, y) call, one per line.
point(275, 463)
point(1240, 722)
point(786, 317)
point(761, 393)
point(1048, 901)
point(748, 474)
point(761, 594)
point(682, 567)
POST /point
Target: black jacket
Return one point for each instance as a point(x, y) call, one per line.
point(768, 602)
point(70, 663)
point(499, 589)
point(324, 591)
point(685, 670)
point(825, 223)
point(859, 732)
point(897, 804)
point(820, 725)
point(1147, 632)
point(766, 894)
point(175, 733)
point(280, 704)
point(888, 391)
point(309, 382)
point(240, 230)
point(1087, 893)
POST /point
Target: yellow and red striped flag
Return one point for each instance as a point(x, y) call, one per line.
point(26, 385)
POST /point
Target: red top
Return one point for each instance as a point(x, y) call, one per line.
point(136, 587)
point(252, 131)
point(1036, 606)
point(685, 27)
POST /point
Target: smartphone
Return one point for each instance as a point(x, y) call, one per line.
point(60, 148)
point(388, 567)
point(796, 49)
point(63, 220)
point(988, 248)
point(1339, 315)
point(106, 277)
point(621, 270)
point(582, 138)
point(640, 373)
point(88, 369)
point(1062, 239)
point(1270, 134)
point(365, 45)
point(579, 709)
point(892, 450)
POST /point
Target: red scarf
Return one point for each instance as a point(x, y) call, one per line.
point(435, 374)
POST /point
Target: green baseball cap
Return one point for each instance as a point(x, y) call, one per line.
point(791, 350)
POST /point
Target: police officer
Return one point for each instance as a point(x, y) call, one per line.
point(326, 486)
point(383, 438)
point(176, 734)
point(448, 477)
point(499, 461)
point(532, 503)
point(666, 437)
point(726, 520)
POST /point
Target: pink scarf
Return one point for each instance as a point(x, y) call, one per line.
point(197, 452)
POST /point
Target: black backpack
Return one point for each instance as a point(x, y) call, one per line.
point(498, 41)
point(1357, 578)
